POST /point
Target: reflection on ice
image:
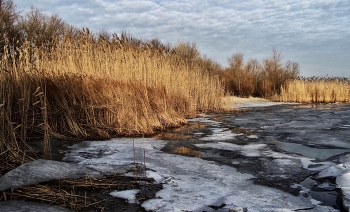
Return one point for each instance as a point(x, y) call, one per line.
point(318, 153)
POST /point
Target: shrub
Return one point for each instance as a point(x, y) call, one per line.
point(255, 79)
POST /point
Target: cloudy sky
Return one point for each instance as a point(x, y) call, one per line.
point(314, 33)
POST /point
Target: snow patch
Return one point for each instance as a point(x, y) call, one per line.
point(343, 180)
point(315, 202)
point(220, 134)
point(129, 195)
point(332, 171)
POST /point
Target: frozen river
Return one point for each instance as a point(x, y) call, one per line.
point(272, 158)
point(262, 159)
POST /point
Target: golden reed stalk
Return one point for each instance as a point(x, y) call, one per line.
point(315, 90)
point(86, 88)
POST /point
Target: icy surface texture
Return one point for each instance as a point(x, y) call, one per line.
point(190, 183)
point(129, 195)
point(42, 171)
point(24, 206)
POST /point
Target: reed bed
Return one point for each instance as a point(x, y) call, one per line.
point(315, 90)
point(81, 87)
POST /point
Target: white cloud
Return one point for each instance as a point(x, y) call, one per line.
point(222, 28)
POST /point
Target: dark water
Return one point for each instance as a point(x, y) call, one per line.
point(312, 131)
point(318, 131)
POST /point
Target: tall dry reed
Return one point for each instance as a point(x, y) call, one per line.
point(315, 90)
point(86, 88)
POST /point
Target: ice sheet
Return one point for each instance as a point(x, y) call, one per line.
point(220, 134)
point(257, 150)
point(189, 183)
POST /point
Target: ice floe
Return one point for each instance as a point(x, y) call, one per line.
point(332, 171)
point(341, 172)
point(42, 171)
point(190, 183)
point(220, 134)
point(257, 150)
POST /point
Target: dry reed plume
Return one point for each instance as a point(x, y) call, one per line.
point(315, 90)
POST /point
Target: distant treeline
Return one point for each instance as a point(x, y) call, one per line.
point(258, 79)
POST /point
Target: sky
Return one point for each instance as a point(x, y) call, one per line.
point(313, 33)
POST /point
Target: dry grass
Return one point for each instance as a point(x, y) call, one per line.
point(187, 151)
point(88, 194)
point(87, 88)
point(315, 90)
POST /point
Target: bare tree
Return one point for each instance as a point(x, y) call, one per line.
point(186, 52)
point(292, 69)
point(236, 64)
point(254, 68)
point(9, 31)
point(41, 29)
point(258, 79)
point(277, 73)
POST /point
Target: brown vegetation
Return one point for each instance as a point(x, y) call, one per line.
point(187, 151)
point(280, 81)
point(256, 79)
point(315, 90)
point(87, 88)
point(59, 82)
point(86, 194)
